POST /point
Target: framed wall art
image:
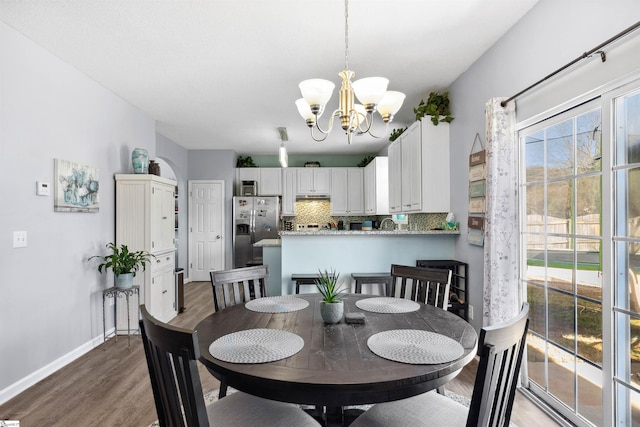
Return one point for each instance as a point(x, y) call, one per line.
point(477, 192)
point(76, 187)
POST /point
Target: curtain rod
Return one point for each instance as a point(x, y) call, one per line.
point(596, 49)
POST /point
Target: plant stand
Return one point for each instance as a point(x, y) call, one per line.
point(116, 294)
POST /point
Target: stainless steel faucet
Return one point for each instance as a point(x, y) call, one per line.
point(385, 220)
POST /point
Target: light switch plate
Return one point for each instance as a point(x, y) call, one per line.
point(43, 188)
point(19, 239)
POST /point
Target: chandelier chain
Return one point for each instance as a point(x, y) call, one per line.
point(346, 34)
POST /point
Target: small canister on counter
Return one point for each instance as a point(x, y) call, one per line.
point(367, 226)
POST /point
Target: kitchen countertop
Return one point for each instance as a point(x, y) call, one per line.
point(369, 233)
point(268, 243)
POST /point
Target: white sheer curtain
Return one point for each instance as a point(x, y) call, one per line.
point(501, 294)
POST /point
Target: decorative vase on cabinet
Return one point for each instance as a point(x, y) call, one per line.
point(140, 160)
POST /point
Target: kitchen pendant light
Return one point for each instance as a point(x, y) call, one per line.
point(371, 92)
point(283, 157)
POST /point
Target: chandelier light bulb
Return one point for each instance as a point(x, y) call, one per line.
point(316, 92)
point(370, 90)
point(390, 104)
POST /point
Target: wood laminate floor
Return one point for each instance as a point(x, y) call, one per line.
point(109, 386)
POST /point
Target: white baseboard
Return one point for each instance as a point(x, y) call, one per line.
point(21, 385)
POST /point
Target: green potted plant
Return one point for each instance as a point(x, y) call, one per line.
point(331, 306)
point(437, 106)
point(124, 263)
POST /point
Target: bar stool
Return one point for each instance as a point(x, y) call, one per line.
point(303, 279)
point(383, 279)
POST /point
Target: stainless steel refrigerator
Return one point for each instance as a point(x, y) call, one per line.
point(254, 219)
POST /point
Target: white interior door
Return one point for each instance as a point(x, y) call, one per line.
point(206, 226)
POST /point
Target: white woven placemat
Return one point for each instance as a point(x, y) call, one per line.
point(279, 304)
point(387, 305)
point(256, 346)
point(415, 346)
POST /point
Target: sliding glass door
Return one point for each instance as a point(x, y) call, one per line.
point(580, 204)
point(626, 240)
point(562, 241)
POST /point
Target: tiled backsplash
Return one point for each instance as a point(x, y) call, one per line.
point(319, 212)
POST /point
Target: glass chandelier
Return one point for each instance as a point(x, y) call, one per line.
point(371, 92)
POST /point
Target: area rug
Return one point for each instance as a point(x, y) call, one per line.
point(212, 396)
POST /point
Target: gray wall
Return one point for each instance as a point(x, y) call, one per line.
point(552, 34)
point(50, 296)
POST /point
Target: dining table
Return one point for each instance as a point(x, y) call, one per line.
point(334, 367)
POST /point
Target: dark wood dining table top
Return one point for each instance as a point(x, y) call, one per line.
point(335, 367)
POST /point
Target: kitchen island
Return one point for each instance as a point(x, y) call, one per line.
point(306, 252)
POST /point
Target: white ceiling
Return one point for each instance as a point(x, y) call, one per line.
point(224, 74)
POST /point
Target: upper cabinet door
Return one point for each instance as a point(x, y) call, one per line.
point(395, 177)
point(162, 217)
point(313, 181)
point(270, 183)
point(376, 187)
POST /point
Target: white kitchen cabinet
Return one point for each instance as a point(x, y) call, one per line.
point(376, 187)
point(145, 220)
point(419, 178)
point(411, 169)
point(395, 177)
point(313, 181)
point(289, 192)
point(269, 180)
point(347, 191)
point(270, 183)
point(162, 287)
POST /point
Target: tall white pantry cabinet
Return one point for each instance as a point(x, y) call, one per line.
point(145, 220)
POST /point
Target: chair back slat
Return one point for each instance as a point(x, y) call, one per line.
point(172, 355)
point(239, 285)
point(501, 348)
point(426, 285)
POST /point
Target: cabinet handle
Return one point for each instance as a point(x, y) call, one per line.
point(158, 261)
point(164, 292)
point(164, 217)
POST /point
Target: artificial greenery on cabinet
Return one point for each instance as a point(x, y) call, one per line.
point(437, 106)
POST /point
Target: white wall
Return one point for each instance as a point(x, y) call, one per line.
point(552, 34)
point(50, 296)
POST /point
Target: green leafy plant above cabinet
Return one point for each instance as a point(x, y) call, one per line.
point(396, 133)
point(364, 162)
point(245, 162)
point(437, 106)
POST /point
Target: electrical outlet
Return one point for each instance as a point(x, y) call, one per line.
point(470, 312)
point(19, 239)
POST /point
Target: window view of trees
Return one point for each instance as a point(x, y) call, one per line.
point(563, 235)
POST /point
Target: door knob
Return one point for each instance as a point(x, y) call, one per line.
point(218, 237)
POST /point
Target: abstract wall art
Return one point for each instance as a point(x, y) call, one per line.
point(76, 187)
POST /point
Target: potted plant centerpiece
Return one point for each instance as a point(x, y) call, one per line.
point(331, 306)
point(124, 263)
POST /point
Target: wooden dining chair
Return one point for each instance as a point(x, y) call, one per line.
point(500, 351)
point(425, 285)
point(239, 285)
point(236, 286)
point(172, 354)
